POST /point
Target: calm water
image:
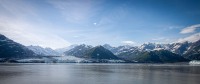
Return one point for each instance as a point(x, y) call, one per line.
point(99, 74)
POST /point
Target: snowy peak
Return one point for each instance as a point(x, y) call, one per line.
point(154, 46)
point(78, 51)
point(43, 51)
point(107, 46)
point(62, 50)
point(125, 48)
point(180, 48)
point(89, 52)
point(193, 51)
point(148, 46)
point(99, 52)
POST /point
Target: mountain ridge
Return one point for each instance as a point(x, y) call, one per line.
point(143, 53)
point(11, 49)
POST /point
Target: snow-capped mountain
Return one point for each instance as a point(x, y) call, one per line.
point(129, 52)
point(121, 49)
point(148, 46)
point(179, 48)
point(107, 46)
point(148, 52)
point(99, 52)
point(154, 46)
point(78, 51)
point(43, 51)
point(62, 50)
point(193, 51)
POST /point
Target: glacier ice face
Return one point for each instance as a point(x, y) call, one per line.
point(194, 62)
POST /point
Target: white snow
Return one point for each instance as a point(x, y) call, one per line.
point(30, 60)
point(176, 47)
point(158, 49)
point(194, 62)
point(43, 51)
point(67, 59)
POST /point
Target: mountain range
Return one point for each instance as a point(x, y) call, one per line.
point(43, 51)
point(148, 52)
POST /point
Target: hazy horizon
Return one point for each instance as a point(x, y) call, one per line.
point(60, 23)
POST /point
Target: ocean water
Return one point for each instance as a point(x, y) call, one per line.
point(91, 73)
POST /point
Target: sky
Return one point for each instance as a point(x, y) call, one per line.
point(61, 23)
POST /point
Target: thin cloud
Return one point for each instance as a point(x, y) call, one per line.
point(162, 40)
point(158, 39)
point(129, 42)
point(27, 31)
point(74, 11)
point(191, 38)
point(190, 29)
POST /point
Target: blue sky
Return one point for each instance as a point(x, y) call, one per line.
point(60, 23)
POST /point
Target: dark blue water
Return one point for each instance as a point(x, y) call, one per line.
point(99, 74)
